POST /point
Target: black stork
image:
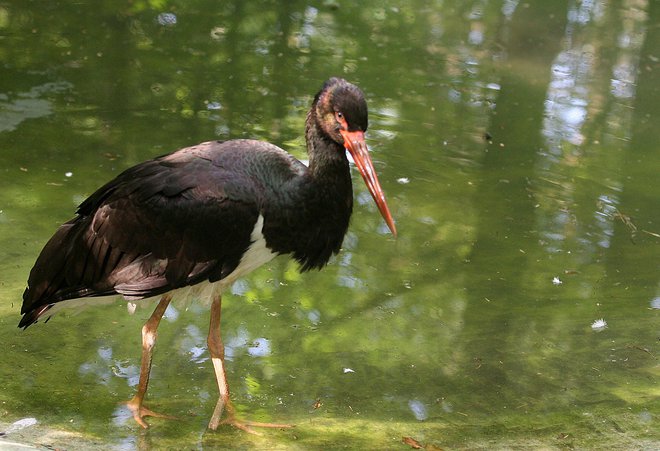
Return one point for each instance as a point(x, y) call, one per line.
point(209, 214)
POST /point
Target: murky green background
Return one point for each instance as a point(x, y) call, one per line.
point(519, 146)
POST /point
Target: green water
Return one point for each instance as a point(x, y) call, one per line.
point(517, 143)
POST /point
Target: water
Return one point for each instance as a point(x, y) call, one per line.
point(516, 143)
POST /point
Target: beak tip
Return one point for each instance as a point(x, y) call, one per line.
point(392, 227)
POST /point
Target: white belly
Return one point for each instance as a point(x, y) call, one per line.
point(255, 256)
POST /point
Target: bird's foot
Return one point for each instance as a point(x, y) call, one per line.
point(245, 425)
point(139, 412)
point(248, 426)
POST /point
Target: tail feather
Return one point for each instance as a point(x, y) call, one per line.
point(33, 316)
point(47, 274)
point(77, 263)
point(50, 279)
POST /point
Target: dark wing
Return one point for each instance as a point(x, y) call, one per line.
point(163, 224)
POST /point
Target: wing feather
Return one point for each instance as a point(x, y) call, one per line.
point(166, 223)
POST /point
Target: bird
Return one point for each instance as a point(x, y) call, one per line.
point(202, 217)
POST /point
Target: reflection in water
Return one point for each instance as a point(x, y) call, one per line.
point(603, 217)
point(307, 30)
point(578, 126)
point(259, 347)
point(655, 303)
point(625, 71)
point(314, 316)
point(126, 371)
point(122, 416)
point(15, 108)
point(568, 92)
point(192, 343)
point(235, 342)
point(167, 19)
point(418, 409)
point(171, 314)
point(101, 370)
point(509, 7)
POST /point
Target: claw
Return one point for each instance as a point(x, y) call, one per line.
point(247, 425)
point(139, 412)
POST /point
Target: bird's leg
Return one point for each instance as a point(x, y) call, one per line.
point(217, 351)
point(148, 342)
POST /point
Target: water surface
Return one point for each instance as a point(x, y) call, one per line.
point(517, 145)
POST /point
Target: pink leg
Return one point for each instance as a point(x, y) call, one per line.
point(148, 341)
point(217, 351)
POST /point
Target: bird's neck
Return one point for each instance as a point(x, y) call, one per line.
point(326, 202)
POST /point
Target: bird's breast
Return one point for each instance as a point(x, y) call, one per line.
point(257, 254)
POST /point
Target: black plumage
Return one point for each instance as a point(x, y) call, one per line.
point(166, 223)
point(188, 217)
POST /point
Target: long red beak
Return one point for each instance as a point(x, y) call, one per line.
point(354, 143)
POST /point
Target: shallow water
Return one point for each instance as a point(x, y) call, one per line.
point(517, 146)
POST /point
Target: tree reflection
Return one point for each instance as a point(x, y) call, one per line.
point(516, 142)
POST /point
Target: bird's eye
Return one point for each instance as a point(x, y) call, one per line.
point(339, 116)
